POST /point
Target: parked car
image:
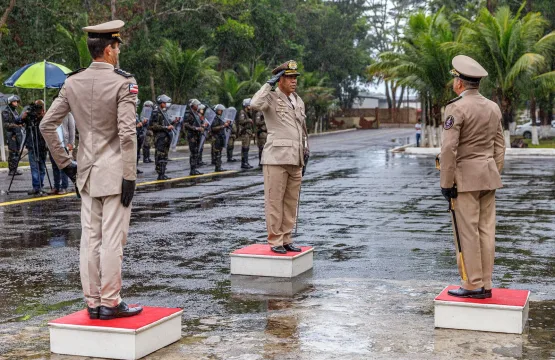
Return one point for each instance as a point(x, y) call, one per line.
point(526, 129)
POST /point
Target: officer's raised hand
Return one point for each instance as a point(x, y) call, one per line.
point(127, 192)
point(274, 79)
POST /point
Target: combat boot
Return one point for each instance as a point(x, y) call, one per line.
point(260, 158)
point(194, 172)
point(230, 156)
point(199, 159)
point(162, 173)
point(245, 159)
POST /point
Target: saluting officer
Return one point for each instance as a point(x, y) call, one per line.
point(284, 155)
point(472, 156)
point(102, 100)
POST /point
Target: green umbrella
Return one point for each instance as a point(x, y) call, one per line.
point(40, 75)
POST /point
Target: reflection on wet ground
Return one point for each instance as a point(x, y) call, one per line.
point(383, 251)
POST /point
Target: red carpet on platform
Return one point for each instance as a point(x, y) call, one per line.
point(264, 250)
point(147, 317)
point(507, 297)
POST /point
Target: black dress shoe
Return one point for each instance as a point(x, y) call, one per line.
point(279, 249)
point(471, 294)
point(93, 312)
point(122, 310)
point(291, 247)
point(488, 294)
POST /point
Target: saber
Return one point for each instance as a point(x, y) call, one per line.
point(298, 207)
point(460, 254)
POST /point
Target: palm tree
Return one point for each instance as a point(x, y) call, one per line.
point(320, 103)
point(188, 73)
point(232, 90)
point(255, 75)
point(422, 63)
point(511, 48)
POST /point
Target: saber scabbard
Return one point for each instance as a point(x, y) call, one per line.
point(458, 239)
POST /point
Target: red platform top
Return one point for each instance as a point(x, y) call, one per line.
point(506, 297)
point(264, 250)
point(148, 316)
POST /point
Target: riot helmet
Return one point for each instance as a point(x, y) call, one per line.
point(148, 103)
point(163, 99)
point(219, 109)
point(13, 98)
point(247, 102)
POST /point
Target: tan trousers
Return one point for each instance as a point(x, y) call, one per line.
point(282, 184)
point(104, 227)
point(475, 212)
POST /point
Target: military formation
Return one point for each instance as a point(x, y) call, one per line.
point(156, 128)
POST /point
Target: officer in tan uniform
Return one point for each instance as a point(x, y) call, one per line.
point(472, 156)
point(285, 153)
point(102, 100)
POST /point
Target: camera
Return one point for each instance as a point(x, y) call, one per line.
point(34, 114)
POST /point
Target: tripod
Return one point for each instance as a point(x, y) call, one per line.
point(33, 130)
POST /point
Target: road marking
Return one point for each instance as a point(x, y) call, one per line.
point(52, 197)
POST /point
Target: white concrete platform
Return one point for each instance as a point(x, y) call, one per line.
point(259, 260)
point(505, 312)
point(123, 338)
point(266, 286)
point(509, 152)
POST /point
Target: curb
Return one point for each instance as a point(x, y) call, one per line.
point(402, 148)
point(509, 152)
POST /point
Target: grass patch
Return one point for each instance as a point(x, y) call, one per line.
point(4, 164)
point(544, 143)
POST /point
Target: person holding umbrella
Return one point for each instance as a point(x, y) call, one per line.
point(102, 99)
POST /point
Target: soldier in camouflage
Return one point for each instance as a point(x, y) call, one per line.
point(231, 143)
point(149, 137)
point(194, 127)
point(13, 126)
point(162, 130)
point(245, 133)
point(218, 134)
point(261, 133)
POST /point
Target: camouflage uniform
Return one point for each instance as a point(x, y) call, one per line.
point(148, 143)
point(245, 133)
point(231, 143)
point(218, 134)
point(12, 128)
point(190, 126)
point(261, 133)
point(162, 141)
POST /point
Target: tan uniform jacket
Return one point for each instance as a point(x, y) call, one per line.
point(103, 105)
point(473, 147)
point(287, 134)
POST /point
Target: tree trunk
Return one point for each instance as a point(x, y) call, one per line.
point(507, 111)
point(387, 95)
point(535, 140)
point(152, 89)
point(4, 18)
point(491, 5)
point(113, 8)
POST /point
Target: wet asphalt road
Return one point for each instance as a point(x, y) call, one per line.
point(383, 251)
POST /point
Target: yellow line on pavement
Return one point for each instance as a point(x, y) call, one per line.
point(52, 197)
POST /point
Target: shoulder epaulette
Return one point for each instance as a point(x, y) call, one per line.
point(123, 73)
point(76, 72)
point(453, 100)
